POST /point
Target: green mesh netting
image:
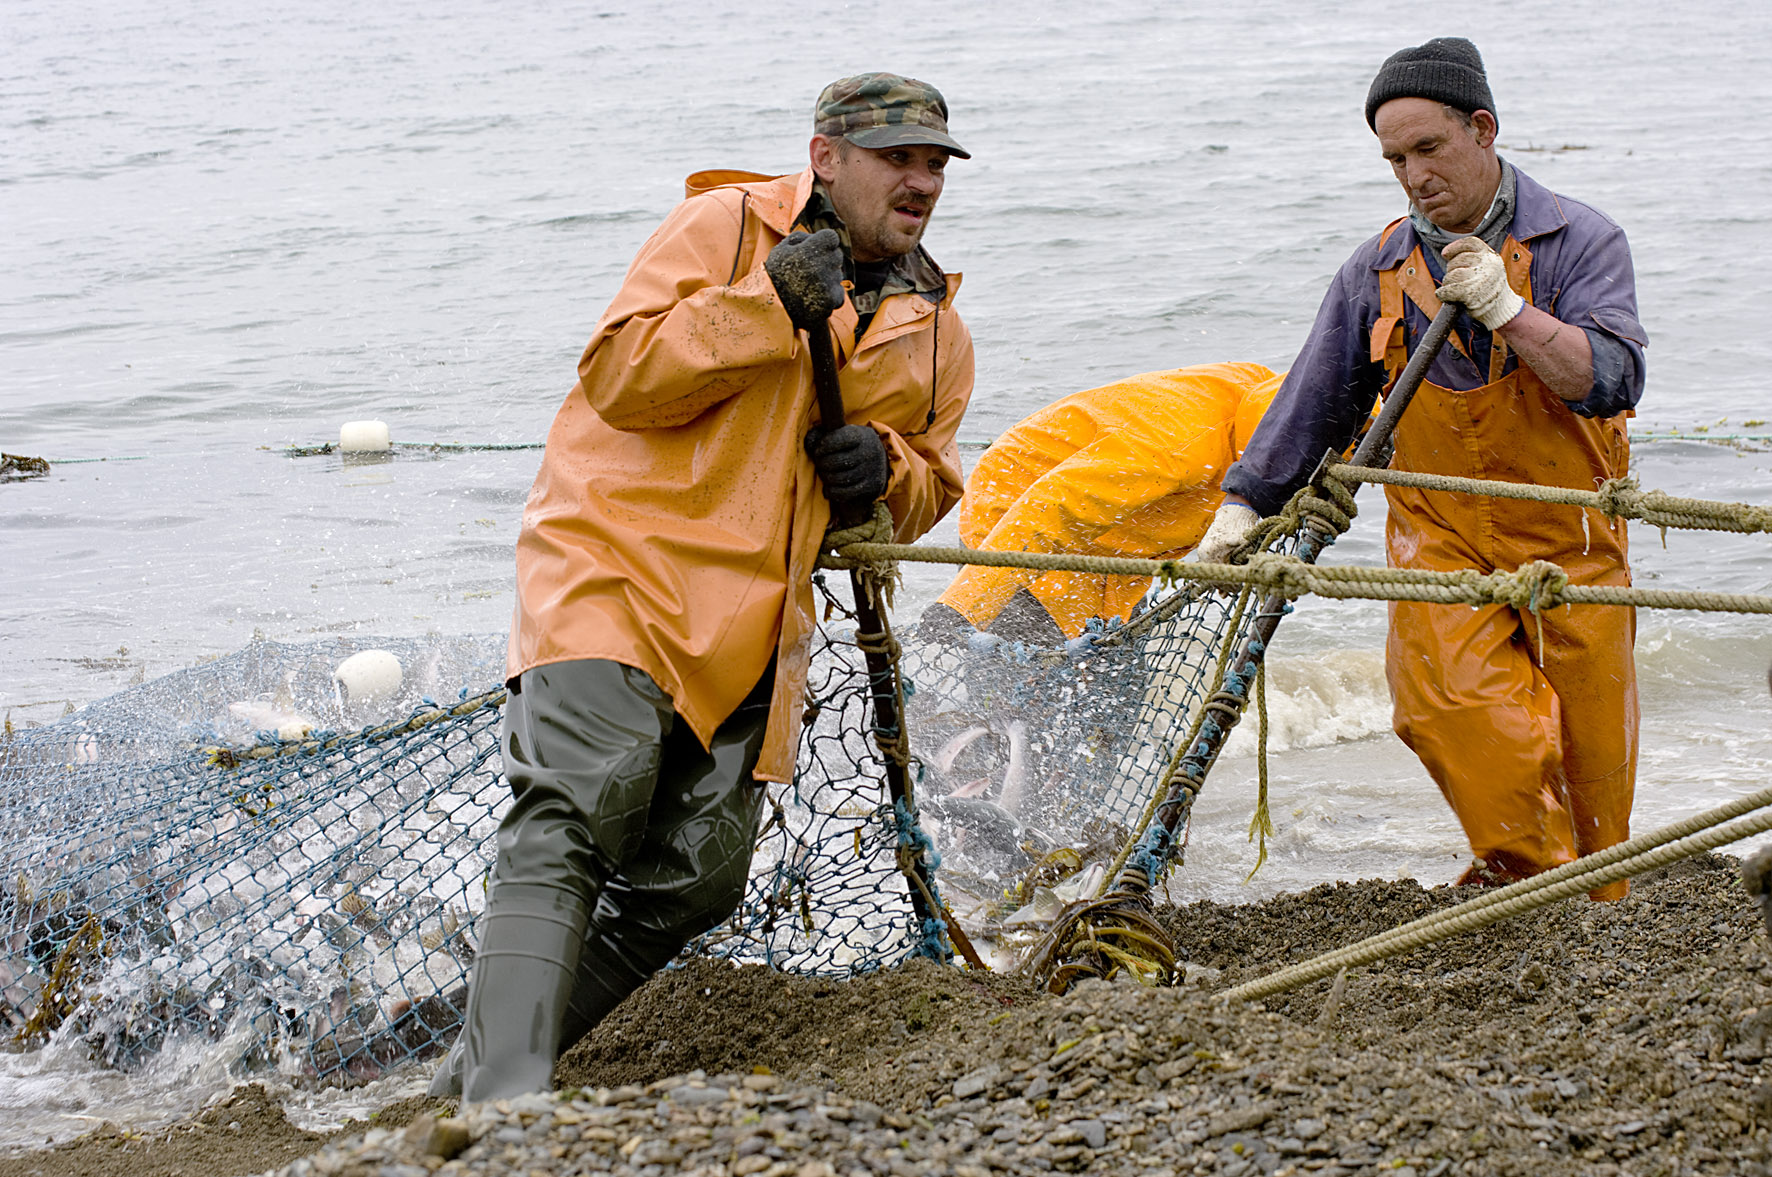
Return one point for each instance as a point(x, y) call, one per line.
point(310, 903)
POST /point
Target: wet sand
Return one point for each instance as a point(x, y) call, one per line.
point(1624, 1038)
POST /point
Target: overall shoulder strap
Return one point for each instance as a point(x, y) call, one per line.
point(1518, 260)
point(1387, 339)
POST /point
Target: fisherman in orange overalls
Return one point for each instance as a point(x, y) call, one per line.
point(1128, 469)
point(1528, 723)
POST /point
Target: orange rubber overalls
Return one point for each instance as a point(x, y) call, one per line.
point(1528, 724)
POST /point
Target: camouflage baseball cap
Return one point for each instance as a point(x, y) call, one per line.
point(885, 110)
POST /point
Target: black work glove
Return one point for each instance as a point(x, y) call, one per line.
point(851, 462)
point(807, 269)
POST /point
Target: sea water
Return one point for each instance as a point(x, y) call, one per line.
point(228, 230)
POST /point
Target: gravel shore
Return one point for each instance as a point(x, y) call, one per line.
point(1623, 1038)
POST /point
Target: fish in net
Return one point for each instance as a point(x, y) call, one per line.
point(306, 894)
point(1039, 762)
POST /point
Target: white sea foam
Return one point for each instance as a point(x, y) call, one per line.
point(1318, 699)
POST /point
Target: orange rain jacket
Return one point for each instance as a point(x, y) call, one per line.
point(1128, 469)
point(676, 519)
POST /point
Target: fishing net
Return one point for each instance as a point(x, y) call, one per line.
point(1039, 763)
point(826, 895)
point(233, 852)
point(315, 903)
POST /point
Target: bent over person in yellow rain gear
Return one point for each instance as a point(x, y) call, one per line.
point(1128, 469)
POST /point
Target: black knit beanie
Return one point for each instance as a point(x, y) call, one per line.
point(1446, 69)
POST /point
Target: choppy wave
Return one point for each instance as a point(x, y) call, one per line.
point(1317, 700)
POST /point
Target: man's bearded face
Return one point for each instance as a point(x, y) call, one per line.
point(884, 195)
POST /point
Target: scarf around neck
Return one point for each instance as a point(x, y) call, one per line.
point(1493, 230)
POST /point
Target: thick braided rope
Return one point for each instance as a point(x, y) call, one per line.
point(1670, 844)
point(1537, 585)
point(1619, 498)
point(1330, 507)
point(879, 577)
point(1044, 561)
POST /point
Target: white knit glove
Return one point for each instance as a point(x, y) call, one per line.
point(1231, 526)
point(1477, 277)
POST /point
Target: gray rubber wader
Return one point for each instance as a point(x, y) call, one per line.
point(690, 871)
point(522, 980)
point(637, 837)
point(1024, 619)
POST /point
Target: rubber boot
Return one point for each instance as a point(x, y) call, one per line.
point(523, 977)
point(607, 974)
point(611, 968)
point(446, 1083)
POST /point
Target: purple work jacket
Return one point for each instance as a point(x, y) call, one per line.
point(1581, 274)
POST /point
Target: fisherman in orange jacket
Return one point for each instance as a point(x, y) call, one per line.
point(1128, 469)
point(658, 655)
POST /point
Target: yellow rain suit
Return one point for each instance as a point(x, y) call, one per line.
point(676, 519)
point(1527, 723)
point(1128, 469)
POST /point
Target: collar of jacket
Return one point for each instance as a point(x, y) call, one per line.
point(778, 206)
point(1536, 213)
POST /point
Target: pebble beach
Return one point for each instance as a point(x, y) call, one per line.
point(1613, 1039)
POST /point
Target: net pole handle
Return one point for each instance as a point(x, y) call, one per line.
point(831, 414)
point(1377, 439)
point(882, 675)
